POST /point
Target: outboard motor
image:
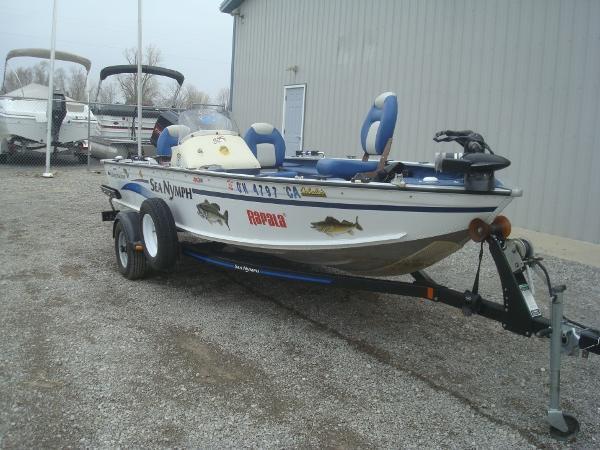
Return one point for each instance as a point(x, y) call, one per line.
point(477, 166)
point(59, 112)
point(165, 119)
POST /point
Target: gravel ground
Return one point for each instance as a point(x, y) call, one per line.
point(213, 359)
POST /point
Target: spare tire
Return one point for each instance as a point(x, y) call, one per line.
point(158, 233)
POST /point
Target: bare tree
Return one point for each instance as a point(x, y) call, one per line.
point(223, 98)
point(128, 82)
point(40, 73)
point(60, 82)
point(191, 95)
point(76, 83)
point(73, 84)
point(21, 76)
point(109, 92)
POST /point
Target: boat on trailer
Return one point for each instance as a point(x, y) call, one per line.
point(23, 113)
point(402, 218)
point(254, 210)
point(117, 132)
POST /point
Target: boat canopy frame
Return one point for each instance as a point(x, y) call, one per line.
point(44, 53)
point(133, 68)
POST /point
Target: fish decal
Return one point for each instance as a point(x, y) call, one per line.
point(212, 213)
point(331, 226)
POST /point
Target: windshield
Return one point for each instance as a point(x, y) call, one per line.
point(207, 118)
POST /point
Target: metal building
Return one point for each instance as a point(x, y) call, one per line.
point(524, 73)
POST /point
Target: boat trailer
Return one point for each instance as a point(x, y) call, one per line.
point(514, 260)
point(519, 312)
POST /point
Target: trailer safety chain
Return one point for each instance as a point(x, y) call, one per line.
point(476, 282)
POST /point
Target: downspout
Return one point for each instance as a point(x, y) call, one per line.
point(232, 64)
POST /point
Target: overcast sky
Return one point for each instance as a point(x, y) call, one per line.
point(193, 35)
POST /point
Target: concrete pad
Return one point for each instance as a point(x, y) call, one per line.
point(560, 247)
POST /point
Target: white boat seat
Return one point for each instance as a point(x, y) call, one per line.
point(267, 145)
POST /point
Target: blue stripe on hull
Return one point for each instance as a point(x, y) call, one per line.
point(437, 209)
point(139, 189)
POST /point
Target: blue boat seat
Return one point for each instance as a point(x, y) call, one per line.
point(267, 145)
point(375, 136)
point(169, 137)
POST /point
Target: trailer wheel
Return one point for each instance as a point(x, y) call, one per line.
point(158, 233)
point(132, 263)
point(573, 429)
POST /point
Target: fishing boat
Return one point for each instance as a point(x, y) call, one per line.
point(117, 134)
point(365, 216)
point(23, 113)
point(256, 211)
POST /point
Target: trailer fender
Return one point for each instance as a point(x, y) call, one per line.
point(159, 234)
point(131, 222)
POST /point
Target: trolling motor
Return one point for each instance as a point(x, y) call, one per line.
point(516, 261)
point(477, 166)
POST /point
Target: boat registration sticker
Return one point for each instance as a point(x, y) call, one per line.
point(264, 190)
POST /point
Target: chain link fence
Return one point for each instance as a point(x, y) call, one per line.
point(82, 133)
point(116, 129)
point(23, 130)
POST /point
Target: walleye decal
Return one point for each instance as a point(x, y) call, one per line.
point(331, 226)
point(212, 213)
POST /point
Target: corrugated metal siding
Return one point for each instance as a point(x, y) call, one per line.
point(524, 73)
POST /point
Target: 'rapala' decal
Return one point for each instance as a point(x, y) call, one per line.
point(332, 226)
point(212, 213)
point(268, 219)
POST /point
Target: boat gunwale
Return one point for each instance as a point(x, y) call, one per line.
point(505, 192)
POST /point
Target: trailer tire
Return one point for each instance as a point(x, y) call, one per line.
point(132, 263)
point(159, 234)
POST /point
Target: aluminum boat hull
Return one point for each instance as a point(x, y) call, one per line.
point(368, 228)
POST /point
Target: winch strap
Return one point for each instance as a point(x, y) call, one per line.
point(475, 289)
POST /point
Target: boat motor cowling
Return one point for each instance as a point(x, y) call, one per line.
point(477, 166)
